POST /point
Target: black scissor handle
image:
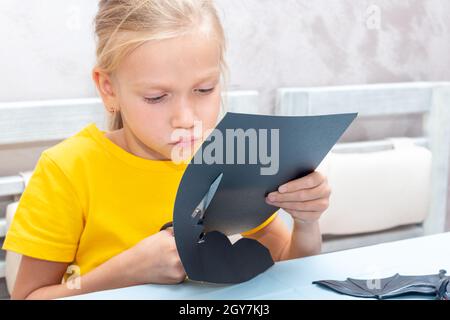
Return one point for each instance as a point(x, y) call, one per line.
point(166, 225)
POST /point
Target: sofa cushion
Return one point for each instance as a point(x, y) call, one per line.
point(378, 190)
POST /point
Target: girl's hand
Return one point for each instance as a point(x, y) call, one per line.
point(305, 199)
point(155, 260)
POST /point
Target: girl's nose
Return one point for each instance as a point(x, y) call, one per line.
point(183, 115)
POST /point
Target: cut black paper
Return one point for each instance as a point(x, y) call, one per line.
point(239, 203)
point(397, 285)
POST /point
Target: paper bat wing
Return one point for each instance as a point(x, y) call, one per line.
point(388, 287)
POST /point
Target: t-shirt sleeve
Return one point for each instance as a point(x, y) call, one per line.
point(49, 219)
point(261, 226)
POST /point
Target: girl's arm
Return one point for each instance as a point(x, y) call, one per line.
point(304, 240)
point(141, 264)
point(41, 279)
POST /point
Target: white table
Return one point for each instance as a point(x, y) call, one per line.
point(293, 279)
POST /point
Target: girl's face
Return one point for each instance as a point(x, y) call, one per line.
point(164, 88)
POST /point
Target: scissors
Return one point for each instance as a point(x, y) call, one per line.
point(200, 209)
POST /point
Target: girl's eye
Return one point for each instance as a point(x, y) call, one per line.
point(205, 91)
point(155, 100)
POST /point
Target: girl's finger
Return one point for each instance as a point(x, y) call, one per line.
point(310, 181)
point(170, 230)
point(321, 191)
point(318, 205)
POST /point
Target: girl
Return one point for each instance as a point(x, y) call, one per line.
point(96, 201)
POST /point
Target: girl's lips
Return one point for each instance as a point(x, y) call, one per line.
point(185, 142)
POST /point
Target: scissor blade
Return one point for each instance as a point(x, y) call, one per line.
point(212, 191)
point(204, 203)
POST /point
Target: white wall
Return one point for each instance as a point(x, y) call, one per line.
point(335, 42)
point(47, 47)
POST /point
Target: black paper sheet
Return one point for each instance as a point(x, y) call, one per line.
point(239, 203)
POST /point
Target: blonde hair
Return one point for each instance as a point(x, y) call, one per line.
point(123, 25)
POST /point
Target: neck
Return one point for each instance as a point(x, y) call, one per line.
point(130, 143)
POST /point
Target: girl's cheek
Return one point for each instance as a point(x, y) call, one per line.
point(209, 111)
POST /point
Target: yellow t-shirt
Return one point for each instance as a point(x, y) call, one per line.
point(88, 200)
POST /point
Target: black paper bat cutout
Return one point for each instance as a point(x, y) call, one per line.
point(239, 202)
point(397, 285)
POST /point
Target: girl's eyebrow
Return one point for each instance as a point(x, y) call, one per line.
point(211, 72)
point(215, 72)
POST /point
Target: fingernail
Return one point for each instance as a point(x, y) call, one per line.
point(271, 197)
point(282, 189)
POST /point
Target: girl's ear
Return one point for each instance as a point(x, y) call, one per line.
point(105, 88)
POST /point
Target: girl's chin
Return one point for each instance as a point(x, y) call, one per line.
point(183, 154)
